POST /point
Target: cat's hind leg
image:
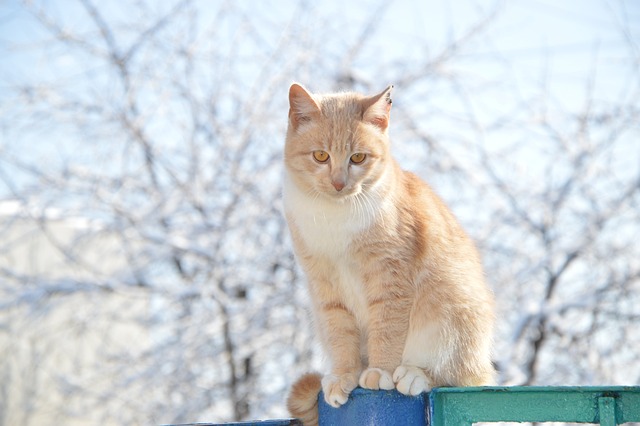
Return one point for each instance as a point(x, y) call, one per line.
point(422, 350)
point(411, 380)
point(446, 352)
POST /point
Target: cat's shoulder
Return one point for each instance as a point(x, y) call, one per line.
point(415, 186)
point(418, 194)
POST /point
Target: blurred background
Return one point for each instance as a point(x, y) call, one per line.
point(146, 272)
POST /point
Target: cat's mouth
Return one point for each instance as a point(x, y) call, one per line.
point(344, 194)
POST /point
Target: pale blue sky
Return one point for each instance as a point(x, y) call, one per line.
point(528, 45)
point(523, 30)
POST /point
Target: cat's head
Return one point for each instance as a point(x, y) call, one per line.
point(337, 145)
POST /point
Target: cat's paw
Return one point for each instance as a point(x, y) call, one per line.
point(337, 388)
point(376, 378)
point(411, 380)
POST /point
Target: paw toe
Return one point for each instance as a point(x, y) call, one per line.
point(376, 378)
point(410, 380)
point(337, 389)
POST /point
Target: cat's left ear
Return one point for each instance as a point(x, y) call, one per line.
point(377, 109)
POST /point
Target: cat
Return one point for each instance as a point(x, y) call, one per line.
point(397, 288)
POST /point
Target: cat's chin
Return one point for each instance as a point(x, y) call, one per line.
point(342, 196)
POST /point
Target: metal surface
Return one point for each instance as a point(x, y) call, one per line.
point(464, 406)
point(608, 406)
point(279, 422)
point(379, 408)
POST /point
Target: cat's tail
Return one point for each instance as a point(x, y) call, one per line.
point(303, 398)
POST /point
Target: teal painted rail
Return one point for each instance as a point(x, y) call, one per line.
point(608, 406)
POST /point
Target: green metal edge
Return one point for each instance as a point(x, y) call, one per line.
point(579, 404)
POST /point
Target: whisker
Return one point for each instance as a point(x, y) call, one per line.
point(375, 213)
point(363, 209)
point(314, 195)
point(370, 207)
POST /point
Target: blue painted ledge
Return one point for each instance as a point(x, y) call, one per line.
point(279, 422)
point(375, 408)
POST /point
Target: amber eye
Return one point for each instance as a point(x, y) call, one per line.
point(358, 158)
point(320, 156)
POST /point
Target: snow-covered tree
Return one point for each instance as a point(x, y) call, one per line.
point(146, 273)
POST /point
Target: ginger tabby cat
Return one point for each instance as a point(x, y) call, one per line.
point(396, 285)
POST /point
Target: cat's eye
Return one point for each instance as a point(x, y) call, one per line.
point(358, 158)
point(321, 156)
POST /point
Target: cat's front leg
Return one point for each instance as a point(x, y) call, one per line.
point(388, 323)
point(341, 338)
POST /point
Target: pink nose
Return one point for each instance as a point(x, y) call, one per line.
point(338, 185)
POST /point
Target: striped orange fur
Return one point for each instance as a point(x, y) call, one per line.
point(397, 288)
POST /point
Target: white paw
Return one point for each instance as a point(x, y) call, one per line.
point(411, 380)
point(376, 378)
point(337, 388)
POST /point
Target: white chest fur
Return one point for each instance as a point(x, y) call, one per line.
point(328, 227)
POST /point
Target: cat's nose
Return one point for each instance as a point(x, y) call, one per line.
point(338, 185)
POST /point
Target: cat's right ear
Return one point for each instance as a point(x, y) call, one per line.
point(302, 107)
